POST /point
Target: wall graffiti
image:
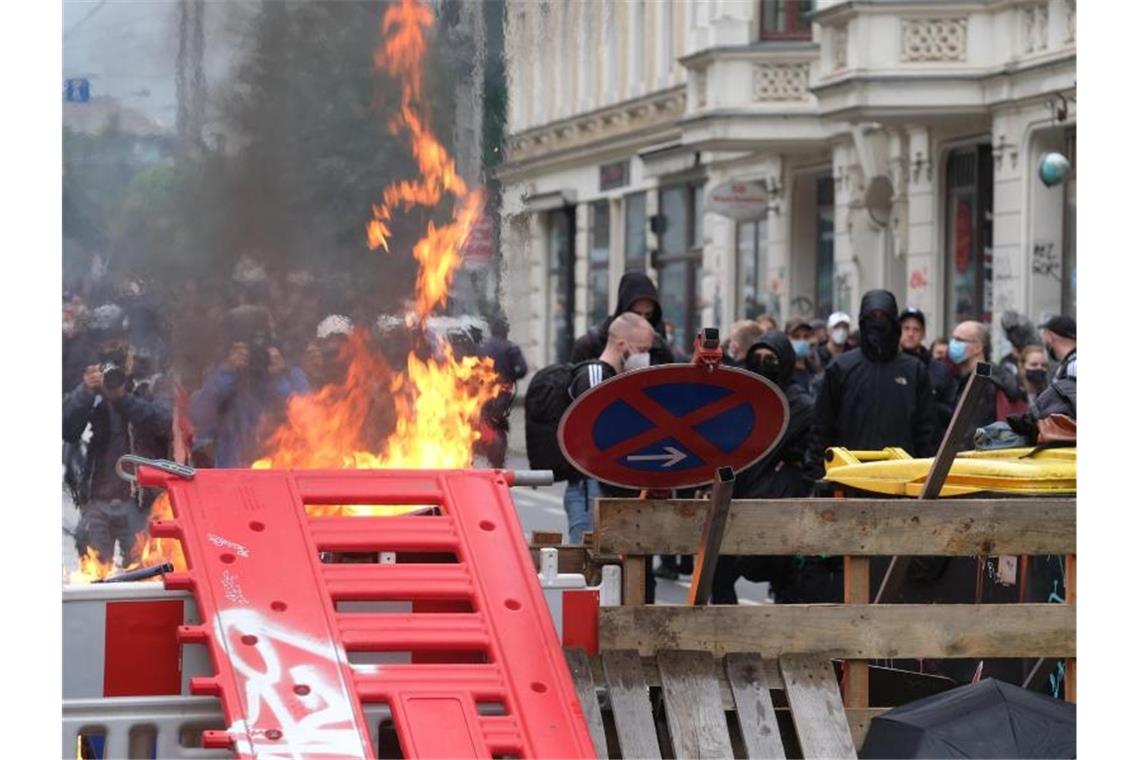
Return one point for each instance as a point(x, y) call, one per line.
point(919, 279)
point(310, 709)
point(803, 307)
point(1047, 261)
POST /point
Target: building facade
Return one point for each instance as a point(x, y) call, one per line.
point(763, 157)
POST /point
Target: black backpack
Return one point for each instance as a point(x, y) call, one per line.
point(547, 399)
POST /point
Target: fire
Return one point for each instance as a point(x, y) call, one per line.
point(438, 252)
point(435, 402)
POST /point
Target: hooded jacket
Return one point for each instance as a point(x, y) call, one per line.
point(633, 286)
point(875, 396)
point(780, 474)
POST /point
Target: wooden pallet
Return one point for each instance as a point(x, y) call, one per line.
point(687, 703)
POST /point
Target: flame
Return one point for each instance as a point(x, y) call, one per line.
point(435, 403)
point(438, 253)
point(147, 551)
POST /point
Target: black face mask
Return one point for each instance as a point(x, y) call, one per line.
point(1036, 377)
point(879, 337)
point(767, 367)
point(116, 356)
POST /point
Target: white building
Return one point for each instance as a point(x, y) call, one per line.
point(895, 143)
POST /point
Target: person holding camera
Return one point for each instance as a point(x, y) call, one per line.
point(241, 401)
point(126, 417)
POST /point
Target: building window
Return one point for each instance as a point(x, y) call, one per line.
point(969, 235)
point(560, 283)
point(635, 243)
point(785, 19)
point(751, 268)
point(825, 246)
point(679, 259)
point(598, 277)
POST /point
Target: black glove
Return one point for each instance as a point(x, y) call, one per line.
point(1024, 425)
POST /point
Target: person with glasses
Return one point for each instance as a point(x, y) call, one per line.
point(970, 345)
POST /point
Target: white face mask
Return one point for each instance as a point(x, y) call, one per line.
point(839, 336)
point(637, 361)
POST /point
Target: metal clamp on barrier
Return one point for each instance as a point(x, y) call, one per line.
point(181, 470)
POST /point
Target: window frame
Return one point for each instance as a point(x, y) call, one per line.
point(792, 14)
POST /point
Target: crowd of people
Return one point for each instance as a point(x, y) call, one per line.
point(202, 374)
point(863, 384)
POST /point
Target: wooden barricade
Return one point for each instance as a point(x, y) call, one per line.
point(856, 631)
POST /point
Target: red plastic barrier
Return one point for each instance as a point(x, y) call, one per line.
point(281, 647)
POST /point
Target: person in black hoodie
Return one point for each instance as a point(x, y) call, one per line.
point(779, 475)
point(875, 396)
point(636, 293)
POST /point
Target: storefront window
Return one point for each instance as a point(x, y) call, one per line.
point(560, 285)
point(825, 246)
point(679, 262)
point(598, 282)
point(751, 268)
point(969, 255)
point(635, 244)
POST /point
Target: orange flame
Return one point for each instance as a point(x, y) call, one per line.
point(438, 252)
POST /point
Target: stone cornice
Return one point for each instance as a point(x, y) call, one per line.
point(660, 108)
point(777, 50)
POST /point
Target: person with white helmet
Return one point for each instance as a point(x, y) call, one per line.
point(327, 359)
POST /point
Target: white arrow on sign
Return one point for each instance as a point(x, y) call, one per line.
point(668, 459)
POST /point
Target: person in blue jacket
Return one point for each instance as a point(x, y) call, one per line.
point(243, 399)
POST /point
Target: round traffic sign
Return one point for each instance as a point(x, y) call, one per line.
point(672, 426)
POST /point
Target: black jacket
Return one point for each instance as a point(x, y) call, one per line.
point(633, 286)
point(139, 423)
point(1000, 381)
point(867, 403)
point(781, 474)
point(942, 384)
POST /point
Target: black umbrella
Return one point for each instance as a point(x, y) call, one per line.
point(991, 719)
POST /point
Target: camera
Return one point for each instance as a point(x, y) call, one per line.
point(114, 376)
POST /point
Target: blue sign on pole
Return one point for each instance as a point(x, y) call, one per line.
point(76, 90)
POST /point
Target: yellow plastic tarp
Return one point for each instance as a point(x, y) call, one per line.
point(893, 472)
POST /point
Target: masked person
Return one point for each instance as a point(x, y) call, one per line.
point(1001, 396)
point(1033, 371)
point(628, 347)
point(838, 331)
point(942, 382)
point(874, 396)
point(244, 398)
point(781, 474)
point(637, 294)
point(1060, 397)
point(744, 333)
point(807, 366)
point(127, 415)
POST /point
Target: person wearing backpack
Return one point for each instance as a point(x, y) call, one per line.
point(630, 338)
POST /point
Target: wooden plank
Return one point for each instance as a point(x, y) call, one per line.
point(860, 631)
point(1071, 599)
point(546, 538)
point(856, 527)
point(633, 580)
point(817, 707)
point(629, 700)
point(692, 705)
point(579, 663)
point(857, 590)
point(752, 694)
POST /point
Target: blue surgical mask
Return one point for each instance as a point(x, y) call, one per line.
point(956, 351)
point(802, 348)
